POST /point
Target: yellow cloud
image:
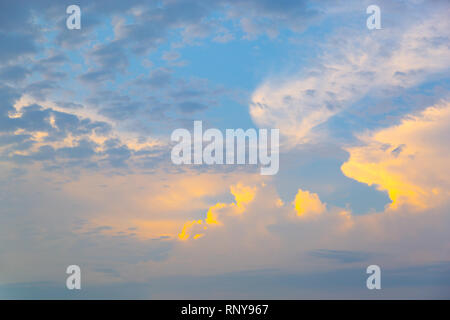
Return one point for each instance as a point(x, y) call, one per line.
point(242, 195)
point(212, 214)
point(185, 233)
point(410, 161)
point(308, 204)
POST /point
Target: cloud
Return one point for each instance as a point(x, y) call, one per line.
point(32, 133)
point(353, 64)
point(341, 256)
point(14, 73)
point(87, 174)
point(186, 232)
point(109, 58)
point(158, 78)
point(138, 26)
point(308, 204)
point(254, 231)
point(243, 195)
point(407, 160)
point(268, 17)
point(16, 45)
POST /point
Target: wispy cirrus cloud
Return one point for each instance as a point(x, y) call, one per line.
point(352, 65)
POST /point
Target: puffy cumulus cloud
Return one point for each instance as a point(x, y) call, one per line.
point(353, 64)
point(308, 204)
point(243, 195)
point(409, 160)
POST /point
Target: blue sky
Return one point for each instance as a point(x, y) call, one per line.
point(86, 174)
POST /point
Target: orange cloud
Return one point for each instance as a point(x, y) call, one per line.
point(242, 195)
point(187, 229)
point(308, 204)
point(212, 214)
point(409, 161)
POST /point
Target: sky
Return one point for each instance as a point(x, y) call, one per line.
point(86, 176)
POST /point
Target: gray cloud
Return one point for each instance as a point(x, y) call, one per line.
point(14, 73)
point(341, 256)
